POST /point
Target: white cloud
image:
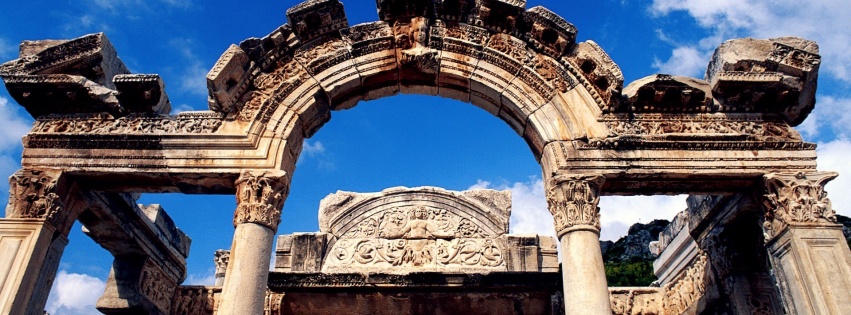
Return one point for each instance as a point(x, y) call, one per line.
point(685, 60)
point(15, 126)
point(206, 278)
point(618, 213)
point(825, 21)
point(181, 108)
point(312, 149)
point(831, 113)
point(193, 77)
point(529, 212)
point(74, 293)
point(833, 156)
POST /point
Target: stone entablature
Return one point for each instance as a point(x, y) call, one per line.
point(403, 230)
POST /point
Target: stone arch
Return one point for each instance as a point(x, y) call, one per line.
point(535, 78)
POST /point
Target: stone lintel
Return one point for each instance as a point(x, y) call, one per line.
point(126, 229)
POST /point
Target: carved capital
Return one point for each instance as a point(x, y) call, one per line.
point(33, 194)
point(573, 199)
point(221, 258)
point(260, 197)
point(796, 198)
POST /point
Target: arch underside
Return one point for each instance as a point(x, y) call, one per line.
point(565, 99)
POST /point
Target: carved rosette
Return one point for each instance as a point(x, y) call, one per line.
point(33, 195)
point(796, 198)
point(260, 198)
point(573, 200)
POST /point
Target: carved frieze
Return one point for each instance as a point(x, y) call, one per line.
point(637, 301)
point(548, 32)
point(573, 199)
point(689, 287)
point(194, 300)
point(33, 194)
point(157, 286)
point(260, 198)
point(142, 124)
point(708, 124)
point(419, 237)
point(795, 198)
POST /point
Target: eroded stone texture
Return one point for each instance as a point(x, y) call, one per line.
point(404, 230)
point(83, 75)
point(771, 75)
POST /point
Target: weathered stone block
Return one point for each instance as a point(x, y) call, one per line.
point(774, 75)
point(228, 80)
point(315, 18)
point(142, 93)
point(61, 94)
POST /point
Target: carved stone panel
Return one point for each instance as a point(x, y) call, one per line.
point(35, 194)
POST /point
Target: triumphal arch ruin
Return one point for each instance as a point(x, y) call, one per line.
point(759, 235)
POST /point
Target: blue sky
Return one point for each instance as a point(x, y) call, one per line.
point(412, 140)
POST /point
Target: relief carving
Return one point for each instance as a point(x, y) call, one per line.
point(573, 202)
point(260, 198)
point(689, 288)
point(793, 198)
point(157, 286)
point(636, 301)
point(33, 195)
point(190, 122)
point(769, 131)
point(194, 300)
point(417, 236)
point(412, 45)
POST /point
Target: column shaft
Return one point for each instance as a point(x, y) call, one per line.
point(573, 200)
point(260, 198)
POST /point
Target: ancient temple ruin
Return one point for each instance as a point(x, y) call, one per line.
point(758, 237)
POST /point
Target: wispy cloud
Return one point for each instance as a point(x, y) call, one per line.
point(193, 76)
point(833, 156)
point(315, 152)
point(685, 60)
point(205, 278)
point(831, 114)
point(74, 293)
point(15, 126)
point(825, 21)
point(7, 50)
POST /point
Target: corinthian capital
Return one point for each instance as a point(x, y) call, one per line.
point(33, 194)
point(573, 199)
point(260, 197)
point(795, 198)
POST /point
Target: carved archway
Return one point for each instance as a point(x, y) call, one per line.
point(661, 134)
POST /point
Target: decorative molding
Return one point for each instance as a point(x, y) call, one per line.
point(260, 198)
point(794, 198)
point(573, 199)
point(100, 124)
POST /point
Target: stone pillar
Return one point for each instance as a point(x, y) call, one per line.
point(808, 252)
point(32, 239)
point(260, 197)
point(573, 200)
point(221, 257)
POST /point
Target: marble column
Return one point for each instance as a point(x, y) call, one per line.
point(573, 199)
point(260, 197)
point(806, 247)
point(32, 238)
